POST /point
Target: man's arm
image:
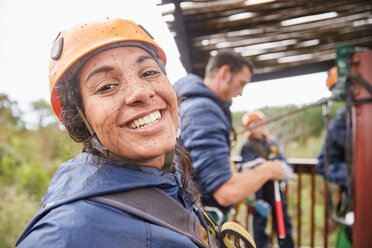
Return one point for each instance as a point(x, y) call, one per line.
point(243, 184)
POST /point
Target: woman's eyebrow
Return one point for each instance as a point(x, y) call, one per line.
point(109, 68)
point(143, 58)
point(98, 70)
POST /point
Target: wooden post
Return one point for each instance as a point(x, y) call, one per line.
point(325, 237)
point(299, 213)
point(183, 39)
point(312, 195)
point(362, 155)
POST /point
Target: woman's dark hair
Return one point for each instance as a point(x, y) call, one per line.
point(187, 171)
point(72, 119)
point(78, 131)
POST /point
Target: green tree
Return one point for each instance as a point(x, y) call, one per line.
point(29, 156)
point(10, 120)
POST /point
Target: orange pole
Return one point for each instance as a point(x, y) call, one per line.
point(362, 155)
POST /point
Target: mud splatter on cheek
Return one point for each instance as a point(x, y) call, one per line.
point(151, 146)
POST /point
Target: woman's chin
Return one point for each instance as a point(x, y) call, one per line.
point(160, 152)
point(148, 153)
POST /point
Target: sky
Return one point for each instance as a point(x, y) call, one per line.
point(28, 29)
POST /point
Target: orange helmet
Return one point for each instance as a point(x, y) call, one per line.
point(249, 117)
point(73, 47)
point(332, 77)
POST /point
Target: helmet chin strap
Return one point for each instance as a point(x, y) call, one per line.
point(168, 156)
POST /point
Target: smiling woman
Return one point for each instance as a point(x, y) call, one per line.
point(109, 88)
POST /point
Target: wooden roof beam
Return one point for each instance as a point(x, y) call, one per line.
point(182, 37)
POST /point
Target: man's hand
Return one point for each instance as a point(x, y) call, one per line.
point(288, 173)
point(275, 168)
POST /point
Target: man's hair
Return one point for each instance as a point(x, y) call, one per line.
point(227, 57)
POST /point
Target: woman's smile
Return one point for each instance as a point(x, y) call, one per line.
point(145, 121)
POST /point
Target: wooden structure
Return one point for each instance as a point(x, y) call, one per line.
point(362, 156)
point(282, 38)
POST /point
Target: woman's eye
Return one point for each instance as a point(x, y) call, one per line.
point(105, 88)
point(150, 73)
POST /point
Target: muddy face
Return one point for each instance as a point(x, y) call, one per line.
point(130, 103)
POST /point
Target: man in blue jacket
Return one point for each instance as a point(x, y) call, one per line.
point(206, 127)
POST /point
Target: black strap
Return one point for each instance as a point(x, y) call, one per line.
point(366, 86)
point(362, 100)
point(363, 82)
point(156, 206)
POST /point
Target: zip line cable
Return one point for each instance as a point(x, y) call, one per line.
point(289, 113)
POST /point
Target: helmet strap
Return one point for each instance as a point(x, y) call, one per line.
point(168, 161)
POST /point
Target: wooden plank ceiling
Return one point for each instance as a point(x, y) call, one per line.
point(267, 32)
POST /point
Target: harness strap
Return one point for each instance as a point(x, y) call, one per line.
point(167, 213)
point(366, 86)
point(363, 82)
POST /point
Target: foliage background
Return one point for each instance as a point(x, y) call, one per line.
point(30, 155)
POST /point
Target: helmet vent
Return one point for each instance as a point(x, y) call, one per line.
point(56, 50)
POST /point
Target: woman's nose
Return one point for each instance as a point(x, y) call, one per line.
point(138, 93)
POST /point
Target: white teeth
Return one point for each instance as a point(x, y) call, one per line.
point(145, 121)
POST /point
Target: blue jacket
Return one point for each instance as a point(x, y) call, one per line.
point(66, 219)
point(337, 166)
point(205, 133)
